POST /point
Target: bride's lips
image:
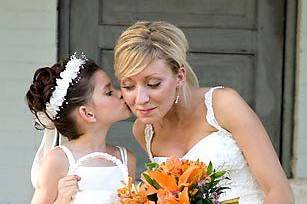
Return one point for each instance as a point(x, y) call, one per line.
point(146, 111)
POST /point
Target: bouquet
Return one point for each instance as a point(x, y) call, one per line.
point(176, 182)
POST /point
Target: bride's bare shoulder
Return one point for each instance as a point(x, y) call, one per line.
point(220, 93)
point(199, 92)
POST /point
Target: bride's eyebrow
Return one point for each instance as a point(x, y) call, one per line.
point(146, 78)
point(153, 76)
point(127, 80)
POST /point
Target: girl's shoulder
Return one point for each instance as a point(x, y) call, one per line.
point(56, 158)
point(54, 165)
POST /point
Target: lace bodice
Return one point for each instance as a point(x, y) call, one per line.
point(98, 184)
point(222, 150)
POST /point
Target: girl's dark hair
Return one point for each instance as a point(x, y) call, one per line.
point(44, 82)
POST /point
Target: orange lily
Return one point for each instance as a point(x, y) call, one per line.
point(184, 196)
point(166, 197)
point(192, 175)
point(167, 182)
point(173, 166)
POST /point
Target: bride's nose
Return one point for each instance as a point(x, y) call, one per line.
point(141, 97)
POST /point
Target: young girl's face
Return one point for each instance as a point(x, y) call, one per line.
point(107, 101)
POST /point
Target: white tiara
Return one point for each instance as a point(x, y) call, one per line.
point(71, 71)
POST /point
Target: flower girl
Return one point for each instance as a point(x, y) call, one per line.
point(75, 99)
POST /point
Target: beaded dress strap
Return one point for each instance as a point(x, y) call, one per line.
point(148, 138)
point(210, 113)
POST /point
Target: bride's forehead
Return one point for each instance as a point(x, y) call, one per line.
point(156, 68)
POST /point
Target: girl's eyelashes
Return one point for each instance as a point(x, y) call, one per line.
point(109, 93)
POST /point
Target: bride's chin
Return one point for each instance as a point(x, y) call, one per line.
point(148, 120)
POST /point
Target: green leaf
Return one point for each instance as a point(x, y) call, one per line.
point(151, 181)
point(210, 168)
point(219, 174)
point(151, 165)
point(207, 201)
point(200, 202)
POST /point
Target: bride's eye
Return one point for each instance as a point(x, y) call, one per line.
point(154, 85)
point(129, 88)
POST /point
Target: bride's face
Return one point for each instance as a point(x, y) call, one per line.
point(108, 103)
point(150, 94)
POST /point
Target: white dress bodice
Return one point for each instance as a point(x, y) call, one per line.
point(222, 150)
point(98, 184)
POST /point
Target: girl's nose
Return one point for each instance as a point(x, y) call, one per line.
point(118, 93)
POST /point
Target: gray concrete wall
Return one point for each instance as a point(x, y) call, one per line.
point(28, 40)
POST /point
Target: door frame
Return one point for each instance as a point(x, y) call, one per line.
point(288, 92)
point(288, 79)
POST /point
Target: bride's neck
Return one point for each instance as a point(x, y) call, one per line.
point(181, 112)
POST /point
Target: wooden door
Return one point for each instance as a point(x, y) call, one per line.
point(237, 43)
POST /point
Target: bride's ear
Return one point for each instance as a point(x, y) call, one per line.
point(86, 114)
point(181, 76)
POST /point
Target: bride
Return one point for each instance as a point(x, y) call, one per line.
point(76, 98)
point(175, 117)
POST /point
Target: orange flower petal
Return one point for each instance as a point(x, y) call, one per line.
point(148, 189)
point(192, 175)
point(184, 196)
point(167, 182)
point(166, 197)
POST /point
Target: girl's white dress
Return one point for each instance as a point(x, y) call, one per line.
point(222, 150)
point(98, 184)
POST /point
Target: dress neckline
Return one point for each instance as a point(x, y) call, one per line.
point(73, 164)
point(76, 163)
point(194, 146)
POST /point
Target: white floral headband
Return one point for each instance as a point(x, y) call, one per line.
point(71, 71)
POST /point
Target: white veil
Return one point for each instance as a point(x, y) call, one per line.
point(49, 141)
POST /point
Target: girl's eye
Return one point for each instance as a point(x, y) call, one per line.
point(154, 85)
point(109, 93)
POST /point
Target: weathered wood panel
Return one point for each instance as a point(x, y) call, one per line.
point(187, 13)
point(200, 39)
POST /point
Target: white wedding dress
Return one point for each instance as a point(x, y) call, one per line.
point(98, 184)
point(222, 150)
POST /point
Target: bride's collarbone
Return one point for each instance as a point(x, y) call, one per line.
point(178, 141)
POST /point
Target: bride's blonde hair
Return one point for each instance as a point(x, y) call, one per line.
point(144, 42)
